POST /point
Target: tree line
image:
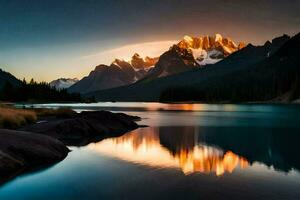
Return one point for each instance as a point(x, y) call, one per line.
point(36, 92)
point(253, 85)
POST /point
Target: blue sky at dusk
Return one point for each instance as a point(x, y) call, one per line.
point(51, 39)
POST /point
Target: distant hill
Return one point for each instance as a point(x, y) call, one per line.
point(6, 77)
point(63, 83)
point(119, 73)
point(233, 78)
point(14, 90)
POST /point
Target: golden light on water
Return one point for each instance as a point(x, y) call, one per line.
point(143, 147)
point(173, 107)
point(207, 160)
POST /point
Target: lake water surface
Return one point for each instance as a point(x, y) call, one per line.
point(188, 151)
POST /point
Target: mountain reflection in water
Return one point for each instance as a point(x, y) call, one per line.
point(176, 147)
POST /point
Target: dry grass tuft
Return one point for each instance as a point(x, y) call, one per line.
point(14, 118)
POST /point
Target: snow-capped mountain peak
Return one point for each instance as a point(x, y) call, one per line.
point(188, 39)
point(63, 83)
point(209, 49)
point(218, 37)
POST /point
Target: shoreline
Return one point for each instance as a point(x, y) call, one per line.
point(41, 144)
point(22, 152)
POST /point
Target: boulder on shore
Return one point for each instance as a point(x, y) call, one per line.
point(23, 151)
point(88, 126)
point(44, 143)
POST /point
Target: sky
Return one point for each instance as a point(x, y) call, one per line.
point(49, 39)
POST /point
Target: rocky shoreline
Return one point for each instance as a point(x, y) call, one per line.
point(22, 151)
point(80, 129)
point(45, 142)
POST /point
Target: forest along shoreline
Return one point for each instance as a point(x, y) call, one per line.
point(35, 138)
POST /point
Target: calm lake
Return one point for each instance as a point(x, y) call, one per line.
point(188, 151)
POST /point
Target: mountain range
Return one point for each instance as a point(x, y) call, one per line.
point(119, 73)
point(253, 73)
point(188, 54)
point(269, 72)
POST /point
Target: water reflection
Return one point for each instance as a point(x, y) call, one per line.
point(215, 150)
point(258, 143)
point(176, 147)
point(142, 106)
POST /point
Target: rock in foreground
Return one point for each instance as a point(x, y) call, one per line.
point(85, 127)
point(22, 151)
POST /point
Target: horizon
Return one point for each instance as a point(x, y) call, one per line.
point(106, 57)
point(48, 40)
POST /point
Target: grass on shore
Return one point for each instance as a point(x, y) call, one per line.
point(13, 118)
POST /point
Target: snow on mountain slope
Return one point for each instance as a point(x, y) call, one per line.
point(63, 83)
point(209, 49)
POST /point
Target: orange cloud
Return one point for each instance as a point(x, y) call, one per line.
point(152, 49)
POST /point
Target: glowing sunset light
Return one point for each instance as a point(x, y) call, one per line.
point(182, 107)
point(152, 49)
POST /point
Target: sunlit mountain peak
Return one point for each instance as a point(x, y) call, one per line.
point(188, 38)
point(137, 62)
point(210, 49)
point(218, 37)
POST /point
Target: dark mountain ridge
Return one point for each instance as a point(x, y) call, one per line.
point(119, 73)
point(7, 78)
point(174, 61)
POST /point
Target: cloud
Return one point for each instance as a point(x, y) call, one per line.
point(151, 49)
